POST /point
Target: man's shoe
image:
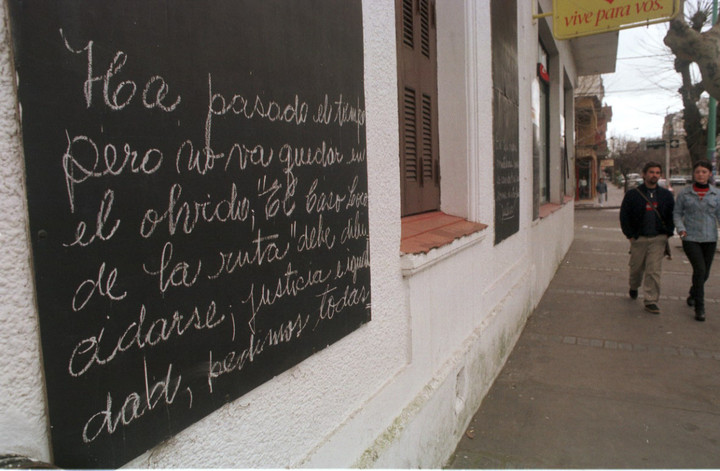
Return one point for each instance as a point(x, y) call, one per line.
point(653, 308)
point(700, 315)
point(690, 301)
point(633, 293)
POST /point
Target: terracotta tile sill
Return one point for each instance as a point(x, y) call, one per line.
point(548, 208)
point(424, 232)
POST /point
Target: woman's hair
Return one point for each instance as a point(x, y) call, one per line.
point(703, 163)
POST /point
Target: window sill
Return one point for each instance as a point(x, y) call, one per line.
point(436, 230)
point(547, 209)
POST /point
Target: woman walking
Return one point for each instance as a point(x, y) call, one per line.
point(696, 216)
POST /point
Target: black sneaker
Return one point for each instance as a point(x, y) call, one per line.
point(633, 293)
point(653, 308)
point(690, 301)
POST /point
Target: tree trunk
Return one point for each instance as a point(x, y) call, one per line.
point(702, 48)
point(695, 134)
point(689, 45)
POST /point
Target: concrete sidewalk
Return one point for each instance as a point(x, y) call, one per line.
point(595, 381)
point(614, 198)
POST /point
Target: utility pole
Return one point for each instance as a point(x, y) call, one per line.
point(667, 144)
point(712, 110)
point(667, 161)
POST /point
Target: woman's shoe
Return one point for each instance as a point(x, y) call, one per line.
point(700, 315)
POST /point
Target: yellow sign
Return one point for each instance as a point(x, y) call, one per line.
point(573, 18)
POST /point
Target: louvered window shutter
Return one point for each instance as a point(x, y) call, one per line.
point(417, 71)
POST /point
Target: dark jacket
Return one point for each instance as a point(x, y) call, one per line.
point(632, 211)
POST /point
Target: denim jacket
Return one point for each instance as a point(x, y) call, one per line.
point(698, 218)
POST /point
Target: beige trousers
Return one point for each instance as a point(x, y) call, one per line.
point(646, 256)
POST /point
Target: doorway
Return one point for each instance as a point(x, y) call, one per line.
point(584, 179)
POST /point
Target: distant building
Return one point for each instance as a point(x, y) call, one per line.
point(674, 131)
point(591, 118)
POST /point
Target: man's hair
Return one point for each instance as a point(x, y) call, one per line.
point(650, 165)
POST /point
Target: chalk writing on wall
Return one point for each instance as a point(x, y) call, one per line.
point(198, 200)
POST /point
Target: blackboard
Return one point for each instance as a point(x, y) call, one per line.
point(198, 203)
point(506, 157)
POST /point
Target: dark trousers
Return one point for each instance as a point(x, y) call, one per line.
point(701, 256)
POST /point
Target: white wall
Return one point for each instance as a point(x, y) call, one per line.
point(399, 391)
point(469, 301)
point(23, 420)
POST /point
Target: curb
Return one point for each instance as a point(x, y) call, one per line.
point(584, 207)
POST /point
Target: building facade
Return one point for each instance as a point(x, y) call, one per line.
point(591, 127)
point(470, 179)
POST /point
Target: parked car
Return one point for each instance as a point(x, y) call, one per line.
point(634, 182)
point(680, 179)
point(664, 184)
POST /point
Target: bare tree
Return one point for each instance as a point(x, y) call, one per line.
point(629, 156)
point(690, 44)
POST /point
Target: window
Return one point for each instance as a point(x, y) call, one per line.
point(567, 133)
point(506, 118)
point(417, 79)
point(544, 128)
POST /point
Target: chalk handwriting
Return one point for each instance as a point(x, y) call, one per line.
point(353, 264)
point(179, 275)
point(273, 203)
point(122, 93)
point(356, 199)
point(322, 201)
point(160, 93)
point(266, 109)
point(357, 156)
point(138, 335)
point(323, 155)
point(289, 284)
point(235, 361)
point(354, 229)
point(202, 160)
point(136, 405)
point(185, 215)
point(262, 222)
point(79, 165)
point(340, 112)
point(316, 237)
point(294, 112)
point(104, 287)
point(331, 304)
point(266, 251)
point(100, 222)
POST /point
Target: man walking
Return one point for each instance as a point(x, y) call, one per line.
point(601, 189)
point(646, 218)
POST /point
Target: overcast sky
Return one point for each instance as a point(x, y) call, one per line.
point(643, 88)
